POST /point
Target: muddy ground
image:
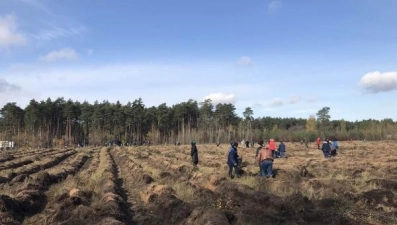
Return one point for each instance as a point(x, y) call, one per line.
point(160, 185)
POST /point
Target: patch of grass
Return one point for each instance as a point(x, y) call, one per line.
point(312, 193)
point(184, 192)
point(250, 181)
point(281, 188)
point(207, 170)
point(153, 172)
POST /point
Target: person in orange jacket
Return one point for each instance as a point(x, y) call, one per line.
point(318, 141)
point(272, 147)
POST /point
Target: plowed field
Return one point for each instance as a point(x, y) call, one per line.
point(160, 185)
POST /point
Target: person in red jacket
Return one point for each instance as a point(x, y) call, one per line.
point(272, 147)
point(318, 141)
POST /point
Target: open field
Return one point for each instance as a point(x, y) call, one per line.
point(159, 185)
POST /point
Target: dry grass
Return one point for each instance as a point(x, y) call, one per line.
point(83, 181)
point(185, 192)
point(349, 180)
point(153, 172)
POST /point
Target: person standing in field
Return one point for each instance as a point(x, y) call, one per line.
point(281, 150)
point(318, 141)
point(232, 161)
point(326, 148)
point(272, 147)
point(194, 153)
point(335, 146)
point(265, 159)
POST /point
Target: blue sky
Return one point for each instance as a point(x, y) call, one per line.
point(283, 58)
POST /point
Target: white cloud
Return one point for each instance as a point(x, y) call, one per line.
point(58, 32)
point(245, 61)
point(221, 98)
point(8, 92)
point(294, 99)
point(274, 5)
point(155, 83)
point(7, 87)
point(9, 34)
point(276, 102)
point(65, 53)
point(376, 82)
point(159, 82)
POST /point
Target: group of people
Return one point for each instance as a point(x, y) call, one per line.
point(265, 155)
point(232, 158)
point(329, 148)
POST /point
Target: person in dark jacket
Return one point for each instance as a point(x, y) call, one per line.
point(232, 160)
point(326, 148)
point(194, 153)
point(281, 150)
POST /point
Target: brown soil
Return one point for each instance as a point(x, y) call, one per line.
point(159, 185)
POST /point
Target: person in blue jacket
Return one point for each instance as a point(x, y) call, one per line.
point(232, 160)
point(334, 147)
point(281, 150)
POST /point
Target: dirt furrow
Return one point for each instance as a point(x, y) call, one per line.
point(11, 155)
point(53, 160)
point(120, 190)
point(30, 197)
point(134, 181)
point(64, 198)
point(168, 196)
point(21, 161)
point(22, 153)
point(5, 158)
point(93, 196)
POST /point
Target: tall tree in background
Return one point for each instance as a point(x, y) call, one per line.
point(206, 120)
point(323, 118)
point(12, 118)
point(248, 118)
point(311, 124)
point(226, 120)
point(56, 122)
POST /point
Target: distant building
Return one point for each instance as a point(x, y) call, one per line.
point(7, 144)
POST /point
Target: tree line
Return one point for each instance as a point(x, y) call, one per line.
point(67, 122)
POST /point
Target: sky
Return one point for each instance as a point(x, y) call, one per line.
point(282, 58)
